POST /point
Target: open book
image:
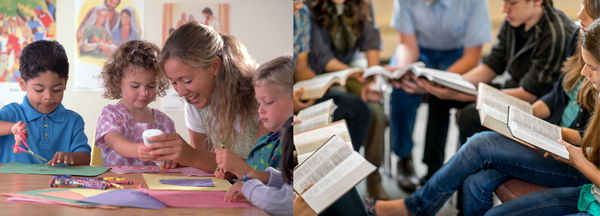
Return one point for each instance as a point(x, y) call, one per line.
point(315, 116)
point(316, 87)
point(536, 131)
point(448, 79)
point(493, 108)
point(334, 169)
point(307, 142)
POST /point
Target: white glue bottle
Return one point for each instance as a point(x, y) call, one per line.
point(146, 136)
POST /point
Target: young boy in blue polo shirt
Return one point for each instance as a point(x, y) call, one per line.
point(51, 131)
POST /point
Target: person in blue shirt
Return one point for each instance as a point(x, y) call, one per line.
point(445, 35)
point(51, 130)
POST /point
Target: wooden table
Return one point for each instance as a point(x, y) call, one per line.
point(25, 182)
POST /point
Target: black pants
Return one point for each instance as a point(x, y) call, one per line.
point(356, 113)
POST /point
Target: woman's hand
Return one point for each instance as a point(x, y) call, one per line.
point(301, 208)
point(227, 160)
point(144, 153)
point(576, 157)
point(298, 104)
point(171, 147)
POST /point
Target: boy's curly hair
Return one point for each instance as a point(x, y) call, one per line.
point(41, 56)
point(140, 53)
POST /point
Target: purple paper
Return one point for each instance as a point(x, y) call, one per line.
point(126, 197)
point(189, 182)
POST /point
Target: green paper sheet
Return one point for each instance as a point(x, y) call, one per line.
point(36, 193)
point(16, 167)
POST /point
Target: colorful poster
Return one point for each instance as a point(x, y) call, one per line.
point(175, 15)
point(21, 22)
point(101, 26)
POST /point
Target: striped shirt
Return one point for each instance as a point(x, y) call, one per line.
point(274, 198)
point(301, 32)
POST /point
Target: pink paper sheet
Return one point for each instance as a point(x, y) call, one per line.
point(67, 194)
point(27, 200)
point(194, 199)
point(188, 171)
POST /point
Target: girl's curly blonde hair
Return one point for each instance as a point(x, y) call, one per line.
point(140, 53)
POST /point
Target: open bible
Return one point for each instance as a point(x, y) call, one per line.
point(493, 104)
point(315, 116)
point(309, 141)
point(316, 87)
point(445, 78)
point(536, 131)
point(334, 169)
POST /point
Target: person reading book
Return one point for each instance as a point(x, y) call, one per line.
point(488, 159)
point(445, 35)
point(531, 48)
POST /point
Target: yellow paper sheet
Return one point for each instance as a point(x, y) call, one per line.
point(153, 182)
point(89, 192)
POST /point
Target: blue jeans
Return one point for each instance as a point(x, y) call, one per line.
point(404, 106)
point(554, 201)
point(484, 162)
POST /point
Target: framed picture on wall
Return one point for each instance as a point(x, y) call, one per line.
point(214, 15)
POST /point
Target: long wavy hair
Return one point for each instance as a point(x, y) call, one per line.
point(574, 64)
point(359, 12)
point(590, 41)
point(196, 45)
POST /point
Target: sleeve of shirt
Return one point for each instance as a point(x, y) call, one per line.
point(192, 119)
point(108, 121)
point(79, 141)
point(7, 113)
point(370, 35)
point(273, 200)
point(402, 19)
point(319, 54)
point(479, 27)
point(496, 60)
point(304, 16)
point(545, 64)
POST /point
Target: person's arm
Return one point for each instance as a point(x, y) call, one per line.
point(372, 57)
point(5, 128)
point(407, 51)
point(173, 147)
point(571, 136)
point(262, 176)
point(468, 60)
point(540, 109)
point(335, 65)
point(521, 93)
point(578, 160)
point(122, 146)
point(302, 71)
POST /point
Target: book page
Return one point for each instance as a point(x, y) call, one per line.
point(325, 107)
point(376, 69)
point(314, 88)
point(337, 182)
point(314, 122)
point(543, 133)
point(311, 140)
point(319, 164)
point(495, 102)
point(448, 79)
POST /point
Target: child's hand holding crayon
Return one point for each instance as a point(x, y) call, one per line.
point(229, 161)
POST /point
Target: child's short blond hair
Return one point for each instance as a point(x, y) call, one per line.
point(278, 71)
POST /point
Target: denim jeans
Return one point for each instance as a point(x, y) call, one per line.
point(356, 113)
point(404, 106)
point(554, 201)
point(484, 162)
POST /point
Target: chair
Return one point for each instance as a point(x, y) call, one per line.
point(515, 188)
point(96, 153)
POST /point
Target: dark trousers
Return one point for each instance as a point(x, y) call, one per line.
point(356, 113)
point(350, 204)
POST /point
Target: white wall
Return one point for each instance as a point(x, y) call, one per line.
point(263, 26)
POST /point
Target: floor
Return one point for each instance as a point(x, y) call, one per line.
point(388, 181)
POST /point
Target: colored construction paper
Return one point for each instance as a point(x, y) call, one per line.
point(21, 168)
point(194, 199)
point(188, 171)
point(189, 182)
point(35, 193)
point(87, 192)
point(153, 182)
point(126, 197)
point(66, 194)
point(27, 200)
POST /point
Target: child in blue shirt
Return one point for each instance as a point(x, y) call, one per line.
point(53, 132)
point(273, 88)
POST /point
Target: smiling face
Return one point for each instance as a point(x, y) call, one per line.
point(194, 84)
point(275, 106)
point(138, 87)
point(44, 92)
point(591, 67)
point(101, 17)
point(125, 19)
point(519, 12)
